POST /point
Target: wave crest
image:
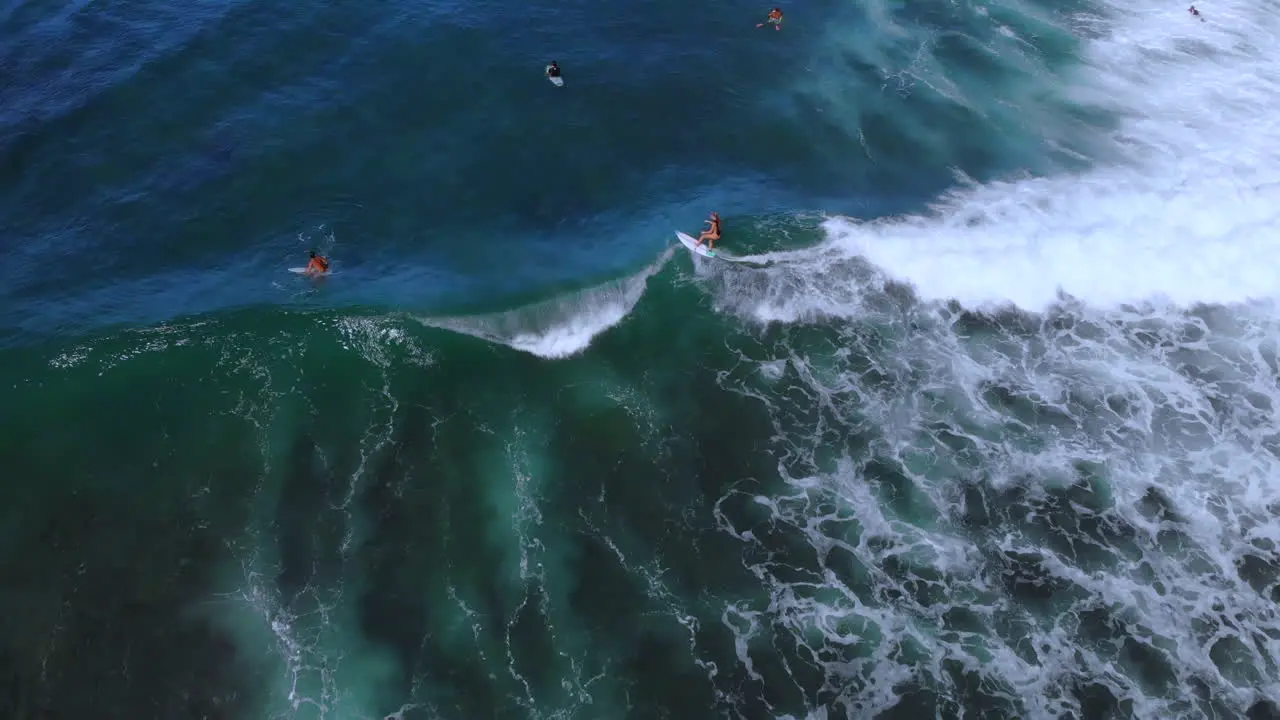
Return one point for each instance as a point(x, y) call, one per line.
point(562, 326)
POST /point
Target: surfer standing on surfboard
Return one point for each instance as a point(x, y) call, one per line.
point(712, 234)
point(319, 265)
point(553, 70)
point(774, 19)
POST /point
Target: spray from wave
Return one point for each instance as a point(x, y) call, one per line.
point(1065, 508)
point(1180, 202)
point(564, 325)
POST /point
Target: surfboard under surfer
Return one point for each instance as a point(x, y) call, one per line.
point(711, 234)
point(318, 265)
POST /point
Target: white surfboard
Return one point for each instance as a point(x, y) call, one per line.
point(557, 81)
point(700, 249)
point(303, 271)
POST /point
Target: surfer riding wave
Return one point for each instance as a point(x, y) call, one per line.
point(711, 234)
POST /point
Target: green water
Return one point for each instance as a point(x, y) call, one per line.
point(405, 499)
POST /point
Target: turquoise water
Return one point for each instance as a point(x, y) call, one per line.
point(983, 425)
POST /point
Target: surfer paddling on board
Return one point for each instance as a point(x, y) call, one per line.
point(319, 264)
point(553, 70)
point(774, 19)
point(712, 234)
point(1195, 12)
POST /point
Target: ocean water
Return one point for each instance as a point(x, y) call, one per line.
point(984, 427)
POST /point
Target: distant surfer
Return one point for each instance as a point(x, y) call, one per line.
point(712, 234)
point(774, 19)
point(553, 70)
point(319, 264)
point(1195, 12)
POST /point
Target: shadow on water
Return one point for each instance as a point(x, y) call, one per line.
point(101, 583)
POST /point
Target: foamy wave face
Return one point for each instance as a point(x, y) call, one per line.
point(563, 326)
point(1182, 202)
point(1038, 516)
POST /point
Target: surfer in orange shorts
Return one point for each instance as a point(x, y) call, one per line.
point(319, 264)
point(712, 234)
point(774, 19)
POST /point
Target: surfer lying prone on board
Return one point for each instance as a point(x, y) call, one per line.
point(712, 234)
point(318, 265)
point(774, 19)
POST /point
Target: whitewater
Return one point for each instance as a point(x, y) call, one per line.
point(1095, 352)
point(1180, 205)
point(1072, 506)
point(1178, 208)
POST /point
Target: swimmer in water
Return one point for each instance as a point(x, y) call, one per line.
point(774, 19)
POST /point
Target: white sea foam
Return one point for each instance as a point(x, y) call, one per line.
point(1126, 462)
point(1183, 204)
point(1098, 482)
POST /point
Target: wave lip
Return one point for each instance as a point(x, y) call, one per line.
point(562, 326)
